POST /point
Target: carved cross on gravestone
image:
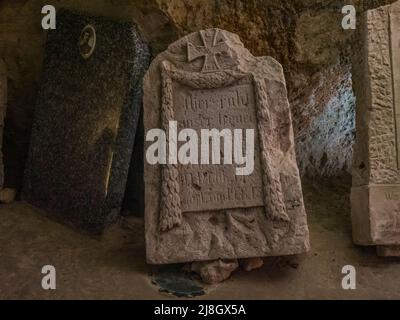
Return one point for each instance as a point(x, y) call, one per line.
point(214, 45)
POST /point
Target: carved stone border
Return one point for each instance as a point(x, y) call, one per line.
point(170, 206)
point(273, 195)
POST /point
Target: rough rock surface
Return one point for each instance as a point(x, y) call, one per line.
point(376, 170)
point(303, 35)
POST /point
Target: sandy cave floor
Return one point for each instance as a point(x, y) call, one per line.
point(115, 268)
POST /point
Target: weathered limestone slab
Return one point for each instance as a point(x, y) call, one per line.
point(85, 120)
point(376, 172)
point(3, 109)
point(208, 80)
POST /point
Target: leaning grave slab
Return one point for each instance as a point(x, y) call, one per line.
point(85, 120)
point(375, 196)
point(205, 212)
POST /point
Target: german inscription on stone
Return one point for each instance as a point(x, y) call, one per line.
point(211, 187)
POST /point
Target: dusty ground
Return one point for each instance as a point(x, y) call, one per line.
point(115, 267)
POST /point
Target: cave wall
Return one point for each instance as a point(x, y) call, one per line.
point(304, 35)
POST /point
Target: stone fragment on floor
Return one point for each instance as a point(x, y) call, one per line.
point(251, 264)
point(213, 272)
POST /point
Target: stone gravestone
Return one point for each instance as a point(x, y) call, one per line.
point(375, 195)
point(85, 120)
point(200, 212)
point(3, 109)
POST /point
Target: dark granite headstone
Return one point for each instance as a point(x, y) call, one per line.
point(85, 120)
point(198, 211)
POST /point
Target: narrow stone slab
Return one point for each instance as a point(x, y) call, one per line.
point(85, 120)
point(199, 212)
point(375, 195)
